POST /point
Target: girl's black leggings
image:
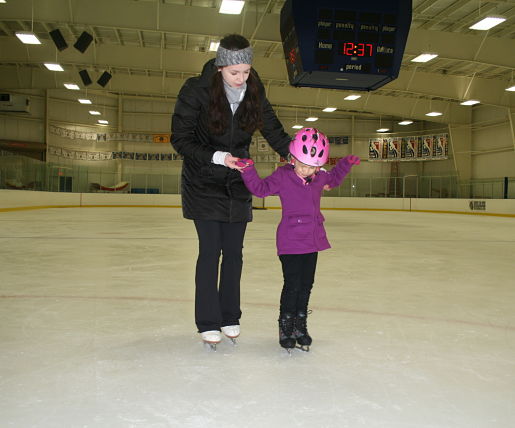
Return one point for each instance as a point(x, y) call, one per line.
point(299, 275)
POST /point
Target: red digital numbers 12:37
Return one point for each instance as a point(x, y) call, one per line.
point(357, 49)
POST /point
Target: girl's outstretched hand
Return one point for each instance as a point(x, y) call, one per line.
point(353, 160)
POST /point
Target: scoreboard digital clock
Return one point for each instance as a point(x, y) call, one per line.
point(344, 44)
point(357, 49)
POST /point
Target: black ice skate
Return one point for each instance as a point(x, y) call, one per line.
point(286, 338)
point(300, 332)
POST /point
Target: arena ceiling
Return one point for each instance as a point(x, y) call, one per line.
point(151, 46)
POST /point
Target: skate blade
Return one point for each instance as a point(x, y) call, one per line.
point(212, 345)
point(233, 339)
point(304, 348)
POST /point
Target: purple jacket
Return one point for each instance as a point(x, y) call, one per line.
point(301, 229)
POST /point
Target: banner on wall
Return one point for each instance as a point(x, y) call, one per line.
point(81, 155)
point(262, 146)
point(427, 146)
point(96, 156)
point(104, 136)
point(375, 149)
point(128, 155)
point(442, 146)
point(68, 154)
point(414, 148)
point(343, 139)
point(394, 148)
point(161, 138)
point(411, 148)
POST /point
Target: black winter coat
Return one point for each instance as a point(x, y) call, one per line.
point(210, 191)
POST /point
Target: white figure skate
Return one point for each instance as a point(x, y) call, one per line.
point(212, 338)
point(232, 332)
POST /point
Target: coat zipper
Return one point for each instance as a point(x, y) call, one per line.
point(230, 151)
point(314, 214)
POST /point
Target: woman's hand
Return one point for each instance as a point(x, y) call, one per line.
point(232, 162)
point(239, 164)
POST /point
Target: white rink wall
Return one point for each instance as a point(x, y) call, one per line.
point(19, 199)
point(24, 199)
point(465, 206)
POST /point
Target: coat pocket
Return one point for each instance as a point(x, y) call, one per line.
point(300, 227)
point(320, 230)
point(205, 172)
point(213, 174)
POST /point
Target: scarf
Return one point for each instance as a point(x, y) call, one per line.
point(234, 95)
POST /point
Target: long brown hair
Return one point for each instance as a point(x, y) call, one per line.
point(249, 110)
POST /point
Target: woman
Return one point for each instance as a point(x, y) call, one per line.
point(212, 126)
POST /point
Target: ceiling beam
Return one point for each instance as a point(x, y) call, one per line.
point(446, 86)
point(444, 13)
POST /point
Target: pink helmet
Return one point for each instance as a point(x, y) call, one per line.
point(310, 147)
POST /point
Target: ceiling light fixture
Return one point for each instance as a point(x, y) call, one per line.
point(424, 57)
point(72, 86)
point(213, 46)
point(352, 97)
point(297, 126)
point(511, 88)
point(84, 101)
point(434, 113)
point(406, 122)
point(311, 119)
point(381, 129)
point(329, 109)
point(103, 122)
point(3, 1)
point(27, 37)
point(53, 66)
point(488, 22)
point(231, 7)
point(94, 113)
point(470, 102)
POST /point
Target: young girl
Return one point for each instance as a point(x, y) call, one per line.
point(300, 234)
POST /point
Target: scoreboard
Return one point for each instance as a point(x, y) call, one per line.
point(344, 44)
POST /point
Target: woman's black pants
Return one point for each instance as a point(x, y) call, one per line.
point(217, 301)
point(299, 275)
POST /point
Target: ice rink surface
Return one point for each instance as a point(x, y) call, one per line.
point(413, 324)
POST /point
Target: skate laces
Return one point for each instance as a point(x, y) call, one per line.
point(301, 327)
point(287, 325)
